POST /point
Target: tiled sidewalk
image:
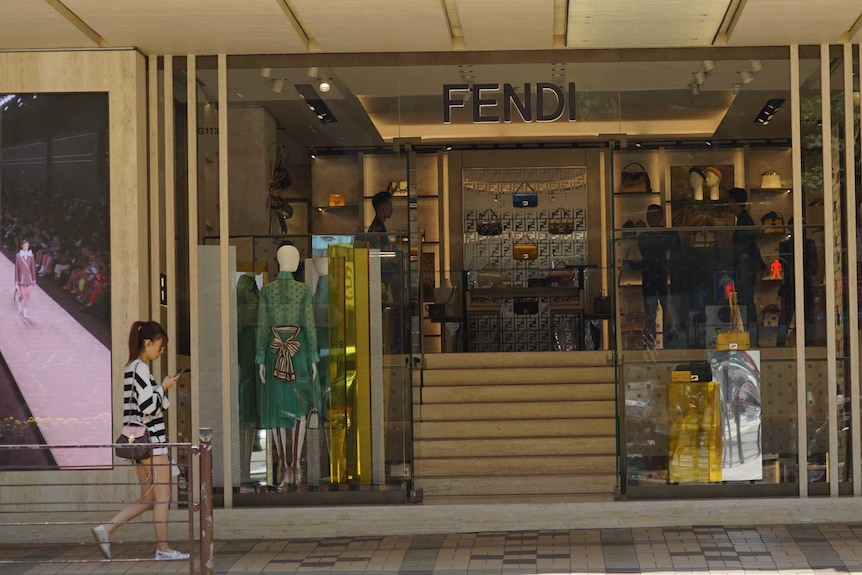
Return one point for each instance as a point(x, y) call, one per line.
point(796, 549)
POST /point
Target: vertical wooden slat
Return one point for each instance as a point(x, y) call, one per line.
point(170, 230)
point(796, 153)
point(852, 286)
point(828, 257)
point(224, 266)
point(192, 136)
point(155, 212)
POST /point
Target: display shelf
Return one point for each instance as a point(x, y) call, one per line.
point(652, 193)
point(771, 190)
point(336, 208)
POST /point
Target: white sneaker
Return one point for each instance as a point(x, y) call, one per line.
point(25, 314)
point(101, 537)
point(172, 555)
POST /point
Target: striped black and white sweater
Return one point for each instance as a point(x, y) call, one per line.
point(144, 401)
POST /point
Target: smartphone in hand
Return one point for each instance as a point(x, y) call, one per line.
point(180, 372)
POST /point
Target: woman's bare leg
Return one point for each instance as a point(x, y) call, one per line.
point(129, 512)
point(161, 500)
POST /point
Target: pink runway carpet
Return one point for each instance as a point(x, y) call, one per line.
point(63, 372)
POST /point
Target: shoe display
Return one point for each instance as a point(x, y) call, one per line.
point(172, 555)
point(101, 537)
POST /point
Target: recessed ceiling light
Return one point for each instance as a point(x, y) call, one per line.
point(265, 72)
point(325, 86)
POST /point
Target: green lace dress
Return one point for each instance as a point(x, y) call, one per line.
point(287, 347)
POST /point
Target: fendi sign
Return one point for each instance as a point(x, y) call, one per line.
point(544, 102)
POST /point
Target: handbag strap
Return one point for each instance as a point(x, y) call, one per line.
point(127, 419)
point(561, 211)
point(638, 164)
point(524, 187)
point(526, 239)
point(492, 214)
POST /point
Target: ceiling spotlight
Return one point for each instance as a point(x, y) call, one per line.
point(695, 89)
point(265, 72)
point(325, 86)
point(736, 88)
point(708, 65)
point(312, 72)
point(747, 77)
point(448, 148)
point(313, 156)
point(700, 78)
point(638, 144)
point(756, 65)
point(277, 85)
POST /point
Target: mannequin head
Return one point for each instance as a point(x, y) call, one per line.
point(713, 176)
point(696, 178)
point(321, 266)
point(288, 258)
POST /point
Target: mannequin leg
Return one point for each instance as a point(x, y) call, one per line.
point(281, 447)
point(298, 440)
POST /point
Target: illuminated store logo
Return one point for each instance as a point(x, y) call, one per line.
point(551, 102)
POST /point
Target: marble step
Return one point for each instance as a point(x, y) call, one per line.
point(515, 410)
point(534, 375)
point(515, 393)
point(511, 466)
point(587, 427)
point(518, 499)
point(601, 484)
point(551, 446)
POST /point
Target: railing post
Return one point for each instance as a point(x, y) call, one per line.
point(206, 495)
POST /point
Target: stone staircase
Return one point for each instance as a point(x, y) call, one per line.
point(515, 427)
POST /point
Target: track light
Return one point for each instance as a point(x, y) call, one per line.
point(746, 76)
point(700, 78)
point(708, 65)
point(695, 89)
point(265, 72)
point(736, 88)
point(312, 71)
point(277, 85)
point(756, 65)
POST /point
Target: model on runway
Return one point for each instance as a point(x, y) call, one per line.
point(25, 277)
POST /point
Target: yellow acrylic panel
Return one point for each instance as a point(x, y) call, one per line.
point(694, 449)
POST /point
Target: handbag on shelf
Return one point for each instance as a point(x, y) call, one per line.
point(336, 200)
point(398, 188)
point(489, 224)
point(770, 180)
point(523, 249)
point(525, 196)
point(736, 338)
point(631, 269)
point(561, 222)
point(134, 442)
point(526, 306)
point(560, 278)
point(773, 223)
point(490, 277)
point(634, 181)
point(602, 305)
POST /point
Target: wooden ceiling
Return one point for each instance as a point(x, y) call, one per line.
point(362, 26)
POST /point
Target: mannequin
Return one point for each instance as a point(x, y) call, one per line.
point(713, 181)
point(247, 304)
point(696, 179)
point(287, 359)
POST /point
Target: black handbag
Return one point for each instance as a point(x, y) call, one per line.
point(602, 305)
point(134, 442)
point(527, 306)
point(634, 181)
point(489, 224)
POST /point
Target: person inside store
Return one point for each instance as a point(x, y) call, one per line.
point(655, 245)
point(746, 259)
point(787, 289)
point(696, 179)
point(145, 402)
point(287, 357)
point(377, 238)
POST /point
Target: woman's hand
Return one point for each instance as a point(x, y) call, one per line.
point(170, 381)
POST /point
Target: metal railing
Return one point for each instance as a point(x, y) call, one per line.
point(30, 513)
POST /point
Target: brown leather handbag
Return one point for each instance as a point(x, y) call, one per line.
point(561, 222)
point(634, 181)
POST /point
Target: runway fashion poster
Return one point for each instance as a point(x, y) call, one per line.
point(55, 280)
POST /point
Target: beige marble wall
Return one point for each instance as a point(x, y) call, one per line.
point(251, 134)
point(122, 75)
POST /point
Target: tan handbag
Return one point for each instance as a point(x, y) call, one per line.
point(736, 338)
point(523, 249)
point(561, 222)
